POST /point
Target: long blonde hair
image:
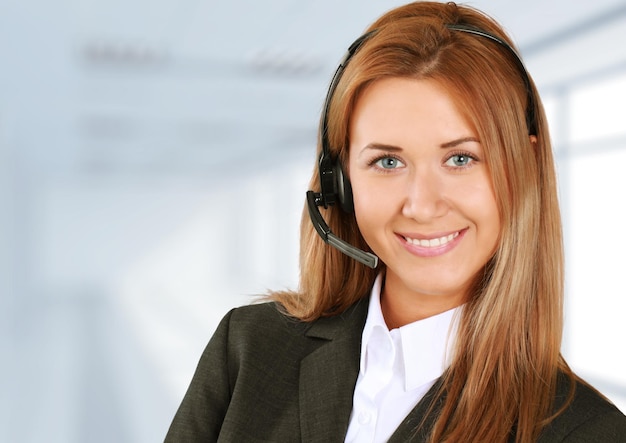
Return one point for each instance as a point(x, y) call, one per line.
point(509, 338)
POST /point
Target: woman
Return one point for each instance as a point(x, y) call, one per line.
point(436, 174)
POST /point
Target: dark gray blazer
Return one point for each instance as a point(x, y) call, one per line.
point(266, 378)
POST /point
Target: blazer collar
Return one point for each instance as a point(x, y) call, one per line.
point(328, 374)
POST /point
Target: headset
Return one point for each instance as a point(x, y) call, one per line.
point(334, 184)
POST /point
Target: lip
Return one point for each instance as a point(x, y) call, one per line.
point(431, 251)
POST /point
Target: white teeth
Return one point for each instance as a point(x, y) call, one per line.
point(432, 242)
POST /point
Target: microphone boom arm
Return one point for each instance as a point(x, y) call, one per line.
point(367, 258)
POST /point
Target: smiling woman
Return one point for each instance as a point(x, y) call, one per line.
point(437, 315)
point(423, 196)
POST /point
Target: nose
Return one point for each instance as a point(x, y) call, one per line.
point(425, 198)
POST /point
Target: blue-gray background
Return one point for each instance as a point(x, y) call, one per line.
point(153, 162)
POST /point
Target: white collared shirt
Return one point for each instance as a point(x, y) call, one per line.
point(397, 368)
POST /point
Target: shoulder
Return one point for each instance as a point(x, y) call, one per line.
point(266, 311)
point(258, 326)
point(269, 319)
point(590, 417)
point(260, 320)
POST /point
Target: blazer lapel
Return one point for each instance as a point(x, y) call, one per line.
point(328, 375)
point(422, 414)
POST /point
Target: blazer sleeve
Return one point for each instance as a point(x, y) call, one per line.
point(202, 411)
point(608, 427)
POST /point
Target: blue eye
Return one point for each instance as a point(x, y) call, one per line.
point(459, 160)
point(388, 163)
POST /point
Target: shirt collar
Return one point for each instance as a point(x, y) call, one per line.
point(425, 345)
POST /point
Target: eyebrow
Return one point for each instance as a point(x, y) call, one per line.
point(459, 141)
point(382, 147)
point(447, 145)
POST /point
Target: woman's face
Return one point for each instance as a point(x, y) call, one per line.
point(423, 198)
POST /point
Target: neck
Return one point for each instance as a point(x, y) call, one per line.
point(401, 307)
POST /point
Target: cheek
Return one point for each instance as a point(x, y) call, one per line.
point(362, 197)
point(373, 207)
point(487, 214)
point(362, 206)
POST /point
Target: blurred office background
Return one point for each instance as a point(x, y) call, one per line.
point(153, 161)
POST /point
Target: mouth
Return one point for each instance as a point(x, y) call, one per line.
point(432, 242)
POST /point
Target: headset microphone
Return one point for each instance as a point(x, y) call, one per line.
point(367, 258)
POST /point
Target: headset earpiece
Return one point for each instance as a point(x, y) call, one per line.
point(335, 185)
point(344, 189)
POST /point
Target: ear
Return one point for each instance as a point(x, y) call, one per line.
point(533, 139)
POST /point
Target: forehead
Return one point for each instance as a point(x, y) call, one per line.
point(397, 108)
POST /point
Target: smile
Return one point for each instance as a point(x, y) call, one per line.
point(433, 242)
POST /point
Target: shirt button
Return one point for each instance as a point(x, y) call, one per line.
point(364, 418)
